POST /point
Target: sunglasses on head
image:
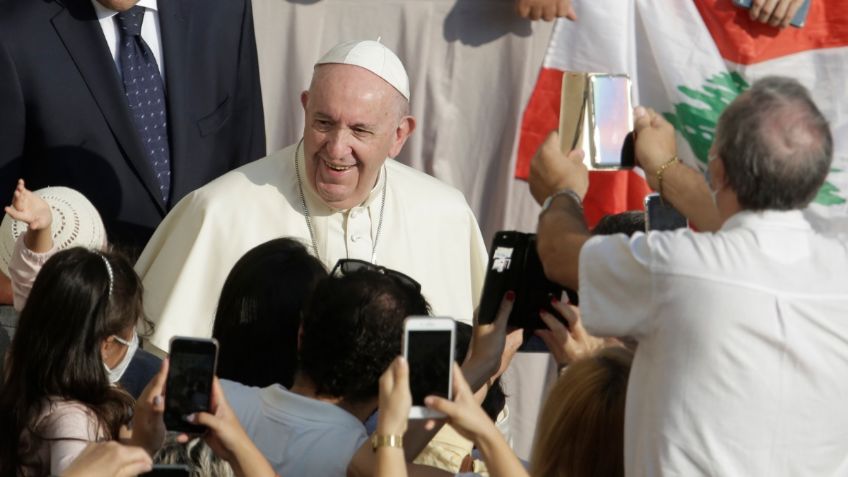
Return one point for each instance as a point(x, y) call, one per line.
point(346, 266)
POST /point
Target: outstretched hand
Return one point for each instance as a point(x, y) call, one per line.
point(568, 344)
point(28, 207)
point(492, 347)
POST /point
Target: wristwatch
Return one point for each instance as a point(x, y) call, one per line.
point(386, 441)
point(569, 192)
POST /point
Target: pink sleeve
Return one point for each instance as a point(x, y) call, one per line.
point(23, 268)
point(69, 429)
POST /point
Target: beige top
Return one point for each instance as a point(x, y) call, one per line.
point(429, 233)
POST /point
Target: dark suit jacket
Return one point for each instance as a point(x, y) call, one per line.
point(64, 119)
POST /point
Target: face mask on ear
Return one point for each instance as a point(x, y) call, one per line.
point(118, 371)
point(708, 177)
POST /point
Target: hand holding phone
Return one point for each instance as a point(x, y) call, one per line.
point(428, 346)
point(189, 386)
point(760, 13)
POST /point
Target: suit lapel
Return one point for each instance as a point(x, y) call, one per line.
point(175, 26)
point(80, 31)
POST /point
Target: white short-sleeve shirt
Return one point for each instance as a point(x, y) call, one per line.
point(298, 435)
point(742, 364)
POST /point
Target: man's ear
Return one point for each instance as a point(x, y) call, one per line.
point(304, 99)
point(717, 174)
point(404, 129)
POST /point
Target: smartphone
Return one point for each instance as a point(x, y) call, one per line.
point(660, 215)
point(428, 346)
point(611, 122)
point(797, 21)
point(188, 388)
point(168, 470)
point(514, 265)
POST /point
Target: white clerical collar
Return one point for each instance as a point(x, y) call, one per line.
point(104, 12)
point(316, 204)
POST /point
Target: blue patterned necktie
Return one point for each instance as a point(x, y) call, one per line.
point(145, 96)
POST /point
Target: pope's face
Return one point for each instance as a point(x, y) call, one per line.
point(354, 120)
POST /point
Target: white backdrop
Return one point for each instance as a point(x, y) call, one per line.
point(472, 65)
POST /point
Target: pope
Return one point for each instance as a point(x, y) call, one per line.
point(338, 189)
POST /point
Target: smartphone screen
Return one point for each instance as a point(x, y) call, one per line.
point(660, 215)
point(613, 120)
point(189, 384)
point(428, 345)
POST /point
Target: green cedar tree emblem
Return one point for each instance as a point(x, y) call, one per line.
point(696, 121)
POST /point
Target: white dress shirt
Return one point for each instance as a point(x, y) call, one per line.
point(743, 345)
point(150, 32)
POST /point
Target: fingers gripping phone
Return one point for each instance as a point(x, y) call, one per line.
point(428, 346)
point(188, 388)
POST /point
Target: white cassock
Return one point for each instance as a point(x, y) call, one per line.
point(428, 233)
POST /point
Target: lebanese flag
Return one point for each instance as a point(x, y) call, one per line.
point(689, 59)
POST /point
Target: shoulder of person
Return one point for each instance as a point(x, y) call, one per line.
point(268, 173)
point(409, 181)
point(68, 419)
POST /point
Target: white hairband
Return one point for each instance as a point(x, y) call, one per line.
point(111, 274)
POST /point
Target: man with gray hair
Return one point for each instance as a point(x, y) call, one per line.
point(337, 189)
point(743, 336)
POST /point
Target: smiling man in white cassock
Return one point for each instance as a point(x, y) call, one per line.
point(337, 189)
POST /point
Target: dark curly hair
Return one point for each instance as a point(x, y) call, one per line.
point(56, 349)
point(352, 330)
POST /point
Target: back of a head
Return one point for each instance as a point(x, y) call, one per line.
point(775, 144)
point(628, 223)
point(259, 311)
point(352, 330)
point(56, 349)
point(580, 431)
point(199, 457)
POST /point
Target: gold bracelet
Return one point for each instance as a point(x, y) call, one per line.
point(673, 160)
point(386, 441)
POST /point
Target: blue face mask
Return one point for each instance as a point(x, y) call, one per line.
point(118, 371)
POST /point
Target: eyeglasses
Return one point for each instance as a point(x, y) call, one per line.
point(346, 266)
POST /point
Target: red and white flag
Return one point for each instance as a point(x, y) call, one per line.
point(689, 59)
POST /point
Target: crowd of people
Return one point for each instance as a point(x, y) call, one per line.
point(713, 350)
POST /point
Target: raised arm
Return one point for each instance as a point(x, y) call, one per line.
point(681, 185)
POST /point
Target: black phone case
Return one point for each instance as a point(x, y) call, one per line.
point(175, 418)
point(523, 274)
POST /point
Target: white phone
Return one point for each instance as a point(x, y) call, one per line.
point(428, 346)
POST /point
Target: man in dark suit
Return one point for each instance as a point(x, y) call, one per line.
point(134, 103)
